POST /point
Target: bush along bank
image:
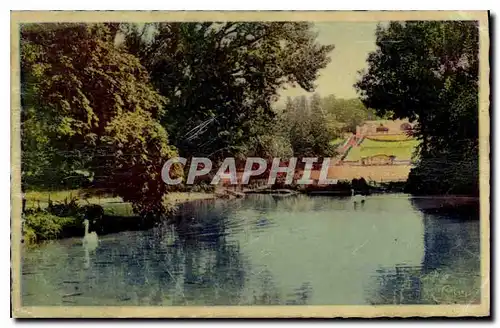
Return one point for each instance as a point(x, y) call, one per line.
point(66, 220)
point(57, 220)
point(341, 188)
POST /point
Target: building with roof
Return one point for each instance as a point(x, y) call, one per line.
point(378, 127)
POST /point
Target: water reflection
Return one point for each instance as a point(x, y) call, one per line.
point(450, 270)
point(262, 250)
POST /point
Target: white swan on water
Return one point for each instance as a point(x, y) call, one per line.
point(357, 199)
point(90, 242)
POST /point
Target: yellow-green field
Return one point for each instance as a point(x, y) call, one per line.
point(337, 141)
point(403, 150)
point(389, 137)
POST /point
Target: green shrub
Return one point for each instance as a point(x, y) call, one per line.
point(29, 235)
point(41, 225)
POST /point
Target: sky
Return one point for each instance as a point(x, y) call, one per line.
point(353, 42)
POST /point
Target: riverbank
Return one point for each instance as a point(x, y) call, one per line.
point(341, 188)
point(35, 199)
point(106, 213)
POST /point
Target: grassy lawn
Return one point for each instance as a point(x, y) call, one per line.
point(56, 196)
point(111, 205)
point(403, 150)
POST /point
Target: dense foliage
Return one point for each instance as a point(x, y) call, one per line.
point(222, 78)
point(93, 107)
point(428, 71)
point(105, 105)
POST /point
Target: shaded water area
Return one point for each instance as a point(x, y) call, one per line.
point(268, 250)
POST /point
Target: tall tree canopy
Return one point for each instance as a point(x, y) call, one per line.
point(221, 78)
point(428, 71)
point(95, 105)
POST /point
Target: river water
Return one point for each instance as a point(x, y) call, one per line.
point(263, 250)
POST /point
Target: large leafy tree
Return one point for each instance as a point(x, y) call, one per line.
point(428, 71)
point(139, 145)
point(95, 106)
point(221, 78)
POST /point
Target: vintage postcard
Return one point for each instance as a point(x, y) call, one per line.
point(250, 164)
